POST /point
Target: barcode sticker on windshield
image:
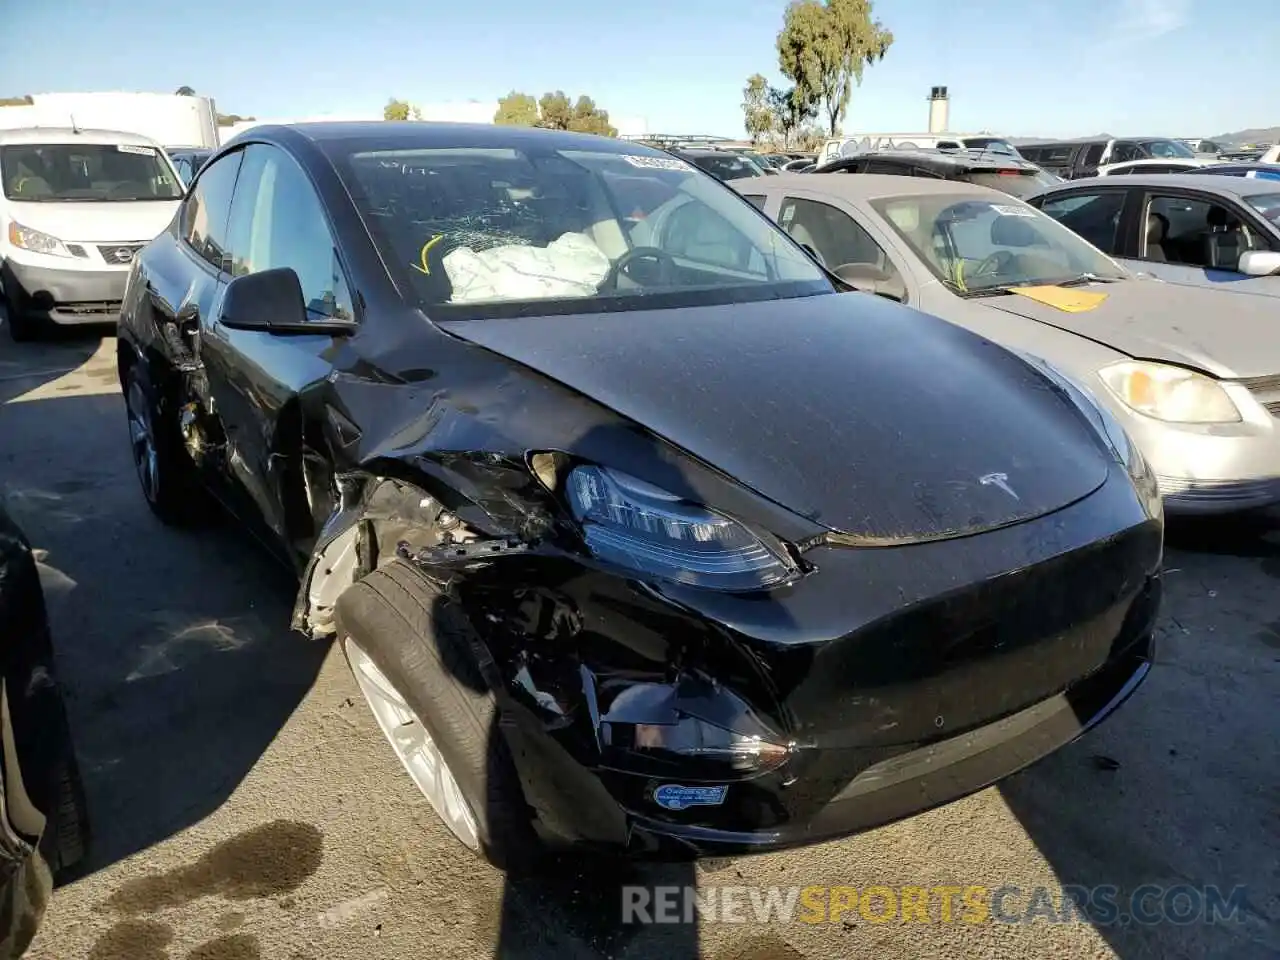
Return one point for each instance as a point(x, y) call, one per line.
point(1007, 211)
point(141, 151)
point(655, 163)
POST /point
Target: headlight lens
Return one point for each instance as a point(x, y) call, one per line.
point(634, 524)
point(1169, 393)
point(36, 242)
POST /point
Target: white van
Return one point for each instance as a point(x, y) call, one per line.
point(77, 205)
point(837, 147)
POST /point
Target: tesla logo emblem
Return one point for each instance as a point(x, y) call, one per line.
point(122, 254)
point(1000, 480)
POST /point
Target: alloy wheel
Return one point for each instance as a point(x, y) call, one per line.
point(414, 746)
point(142, 439)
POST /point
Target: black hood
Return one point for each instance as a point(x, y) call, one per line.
point(870, 418)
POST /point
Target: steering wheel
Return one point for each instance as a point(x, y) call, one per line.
point(991, 265)
point(667, 266)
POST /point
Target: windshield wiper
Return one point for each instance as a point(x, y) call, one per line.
point(1086, 278)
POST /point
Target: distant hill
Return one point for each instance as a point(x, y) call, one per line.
point(1252, 135)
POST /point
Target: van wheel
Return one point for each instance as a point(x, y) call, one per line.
point(416, 660)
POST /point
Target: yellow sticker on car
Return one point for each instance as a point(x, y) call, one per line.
point(1062, 298)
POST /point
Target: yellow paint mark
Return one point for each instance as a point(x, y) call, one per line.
point(422, 266)
point(1061, 298)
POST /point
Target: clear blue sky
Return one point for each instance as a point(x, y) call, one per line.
point(1020, 67)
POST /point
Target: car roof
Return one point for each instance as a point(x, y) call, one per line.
point(949, 161)
point(70, 135)
point(1238, 186)
point(427, 135)
point(868, 186)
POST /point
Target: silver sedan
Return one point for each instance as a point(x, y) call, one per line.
point(1192, 374)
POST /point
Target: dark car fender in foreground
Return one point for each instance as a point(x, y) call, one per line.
point(43, 829)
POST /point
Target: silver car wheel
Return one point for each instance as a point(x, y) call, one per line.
point(142, 439)
point(413, 745)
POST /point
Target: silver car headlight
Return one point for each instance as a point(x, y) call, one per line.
point(637, 525)
point(1169, 393)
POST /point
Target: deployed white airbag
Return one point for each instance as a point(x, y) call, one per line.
point(571, 266)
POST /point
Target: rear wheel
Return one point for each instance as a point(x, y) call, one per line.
point(416, 660)
point(165, 472)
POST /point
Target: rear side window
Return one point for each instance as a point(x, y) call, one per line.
point(1060, 154)
point(1093, 156)
point(756, 200)
point(887, 166)
point(205, 213)
point(1094, 216)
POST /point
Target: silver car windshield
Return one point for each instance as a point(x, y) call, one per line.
point(974, 244)
point(1267, 204)
point(592, 231)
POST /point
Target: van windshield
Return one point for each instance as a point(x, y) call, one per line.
point(61, 172)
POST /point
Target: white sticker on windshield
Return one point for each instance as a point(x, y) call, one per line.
point(1007, 211)
point(655, 163)
point(130, 148)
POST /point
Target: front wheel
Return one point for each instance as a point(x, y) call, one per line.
point(165, 472)
point(414, 657)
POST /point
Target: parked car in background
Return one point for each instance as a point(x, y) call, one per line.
point(1200, 229)
point(188, 162)
point(1163, 165)
point(1259, 171)
point(872, 142)
point(43, 819)
point(77, 206)
point(1204, 146)
point(1193, 375)
point(1010, 174)
point(1072, 159)
point(800, 162)
point(722, 164)
point(596, 582)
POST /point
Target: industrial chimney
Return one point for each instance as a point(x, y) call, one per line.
point(939, 109)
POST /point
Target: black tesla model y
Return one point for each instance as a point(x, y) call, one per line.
point(634, 533)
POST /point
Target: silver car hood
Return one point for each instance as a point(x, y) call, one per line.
point(1222, 333)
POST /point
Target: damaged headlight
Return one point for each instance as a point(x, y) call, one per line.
point(637, 525)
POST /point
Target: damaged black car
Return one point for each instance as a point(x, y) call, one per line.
point(635, 535)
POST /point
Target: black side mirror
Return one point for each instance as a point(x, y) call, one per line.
point(271, 301)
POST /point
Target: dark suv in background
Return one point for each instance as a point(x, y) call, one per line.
point(984, 167)
point(1073, 159)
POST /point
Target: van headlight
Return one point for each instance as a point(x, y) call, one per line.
point(27, 239)
point(1169, 393)
point(637, 525)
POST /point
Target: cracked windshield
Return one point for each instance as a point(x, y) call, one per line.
point(675, 482)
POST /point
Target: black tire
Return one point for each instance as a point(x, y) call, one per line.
point(174, 494)
point(22, 328)
point(69, 822)
point(428, 651)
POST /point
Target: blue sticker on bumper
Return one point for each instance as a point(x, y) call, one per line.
point(673, 796)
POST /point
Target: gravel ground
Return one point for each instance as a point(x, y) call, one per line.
point(246, 807)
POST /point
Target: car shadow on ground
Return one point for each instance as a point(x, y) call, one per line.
point(176, 682)
point(1164, 818)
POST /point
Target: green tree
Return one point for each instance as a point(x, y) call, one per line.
point(185, 91)
point(757, 113)
point(790, 111)
point(555, 111)
point(25, 101)
point(516, 110)
point(823, 48)
point(400, 110)
point(588, 118)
